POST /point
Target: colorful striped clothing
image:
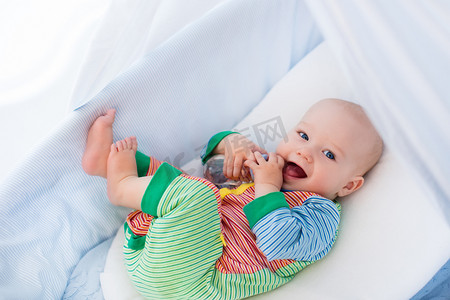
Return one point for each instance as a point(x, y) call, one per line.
point(193, 241)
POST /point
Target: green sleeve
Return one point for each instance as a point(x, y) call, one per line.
point(263, 205)
point(213, 142)
point(143, 163)
point(162, 178)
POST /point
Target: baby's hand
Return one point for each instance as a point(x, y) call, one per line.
point(268, 175)
point(237, 149)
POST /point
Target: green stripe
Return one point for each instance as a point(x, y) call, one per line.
point(263, 205)
point(143, 163)
point(135, 242)
point(182, 247)
point(183, 242)
point(213, 142)
point(162, 178)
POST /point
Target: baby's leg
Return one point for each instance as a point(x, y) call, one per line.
point(124, 186)
point(100, 138)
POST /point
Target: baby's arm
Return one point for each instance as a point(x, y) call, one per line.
point(268, 176)
point(305, 232)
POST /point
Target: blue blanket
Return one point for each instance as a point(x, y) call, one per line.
point(438, 287)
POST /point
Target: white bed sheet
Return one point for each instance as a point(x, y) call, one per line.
point(382, 252)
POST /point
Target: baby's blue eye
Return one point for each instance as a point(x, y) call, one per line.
point(304, 136)
point(328, 154)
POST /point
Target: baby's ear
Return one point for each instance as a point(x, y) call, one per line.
point(351, 186)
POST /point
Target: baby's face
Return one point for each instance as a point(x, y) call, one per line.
point(322, 153)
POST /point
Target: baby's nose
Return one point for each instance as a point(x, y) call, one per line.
point(306, 154)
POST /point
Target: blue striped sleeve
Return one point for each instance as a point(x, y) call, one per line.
point(305, 232)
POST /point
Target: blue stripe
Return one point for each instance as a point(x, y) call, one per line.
point(305, 233)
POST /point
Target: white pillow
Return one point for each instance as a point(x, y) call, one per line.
point(115, 282)
point(391, 240)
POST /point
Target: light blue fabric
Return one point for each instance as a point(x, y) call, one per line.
point(84, 283)
point(203, 80)
point(305, 232)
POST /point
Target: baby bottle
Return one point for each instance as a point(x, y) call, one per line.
point(213, 171)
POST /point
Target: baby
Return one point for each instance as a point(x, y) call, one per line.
point(188, 239)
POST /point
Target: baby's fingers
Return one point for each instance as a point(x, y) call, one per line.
point(272, 158)
point(250, 164)
point(237, 166)
point(228, 165)
point(255, 148)
point(245, 174)
point(280, 161)
point(260, 158)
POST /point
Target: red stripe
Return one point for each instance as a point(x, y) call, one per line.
point(241, 255)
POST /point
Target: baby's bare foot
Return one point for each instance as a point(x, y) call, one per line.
point(99, 140)
point(121, 167)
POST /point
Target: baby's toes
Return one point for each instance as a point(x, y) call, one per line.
point(113, 148)
point(133, 143)
point(120, 145)
point(128, 144)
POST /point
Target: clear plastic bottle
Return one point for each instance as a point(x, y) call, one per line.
point(213, 171)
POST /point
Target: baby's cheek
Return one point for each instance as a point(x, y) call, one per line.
point(322, 184)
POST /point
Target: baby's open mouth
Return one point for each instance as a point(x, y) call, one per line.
point(293, 170)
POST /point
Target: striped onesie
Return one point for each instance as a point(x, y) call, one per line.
point(194, 241)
